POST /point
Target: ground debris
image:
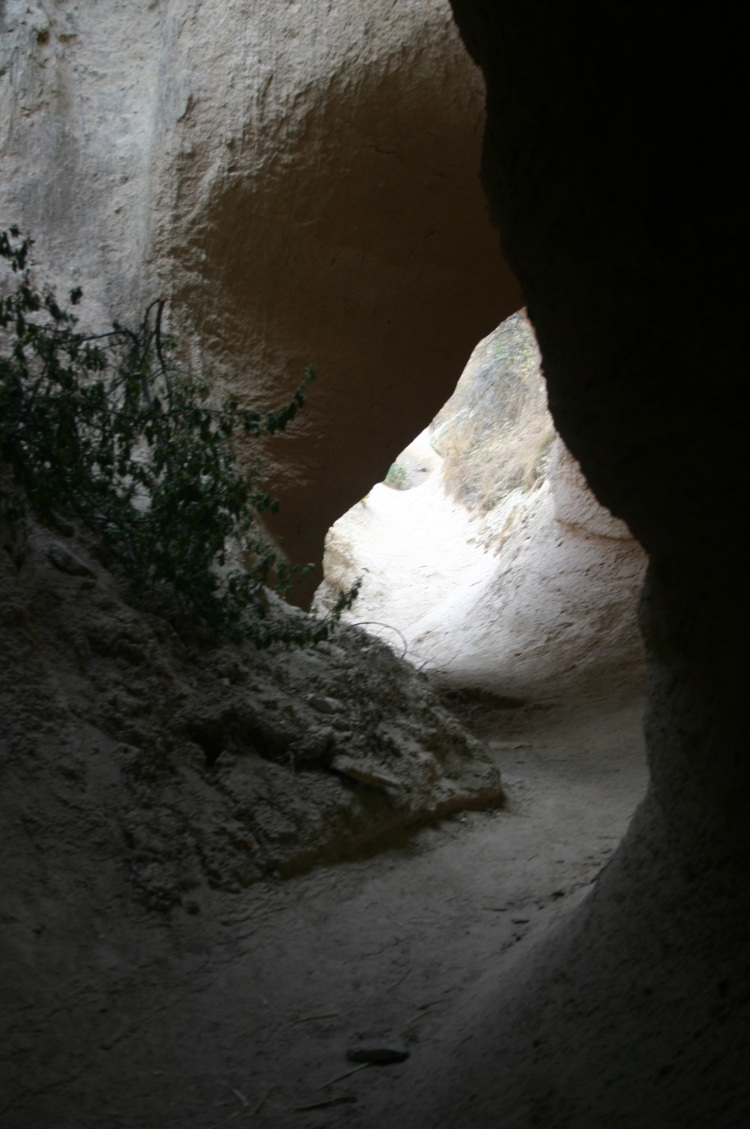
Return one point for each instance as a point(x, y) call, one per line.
point(215, 765)
point(343, 1099)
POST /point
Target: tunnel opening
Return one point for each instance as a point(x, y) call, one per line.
point(488, 564)
point(485, 559)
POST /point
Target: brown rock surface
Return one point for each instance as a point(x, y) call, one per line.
point(295, 178)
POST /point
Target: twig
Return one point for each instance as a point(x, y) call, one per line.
point(259, 1106)
point(346, 1074)
point(309, 1018)
point(388, 627)
point(237, 1093)
point(424, 1008)
point(245, 1106)
point(345, 1098)
point(390, 945)
point(157, 340)
point(400, 981)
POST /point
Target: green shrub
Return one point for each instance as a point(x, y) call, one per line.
point(106, 430)
point(396, 477)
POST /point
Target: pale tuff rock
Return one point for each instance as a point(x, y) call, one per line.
point(299, 180)
point(532, 590)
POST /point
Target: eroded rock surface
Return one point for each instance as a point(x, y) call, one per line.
point(295, 178)
point(498, 569)
point(195, 763)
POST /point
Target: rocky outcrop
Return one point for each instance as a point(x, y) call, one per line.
point(295, 178)
point(193, 763)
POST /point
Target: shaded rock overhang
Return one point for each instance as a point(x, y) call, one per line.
point(298, 180)
point(612, 165)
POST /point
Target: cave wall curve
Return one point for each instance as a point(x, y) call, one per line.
point(298, 181)
point(616, 201)
point(613, 172)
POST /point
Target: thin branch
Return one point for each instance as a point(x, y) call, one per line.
point(388, 627)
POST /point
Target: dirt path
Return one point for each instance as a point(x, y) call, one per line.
point(243, 1015)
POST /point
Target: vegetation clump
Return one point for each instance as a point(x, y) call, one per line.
point(396, 477)
point(107, 431)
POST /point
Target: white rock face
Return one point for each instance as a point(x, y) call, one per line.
point(299, 179)
point(535, 600)
point(573, 503)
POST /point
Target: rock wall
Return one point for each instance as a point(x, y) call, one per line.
point(296, 178)
point(613, 169)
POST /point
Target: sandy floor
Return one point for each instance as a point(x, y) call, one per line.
point(243, 1015)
